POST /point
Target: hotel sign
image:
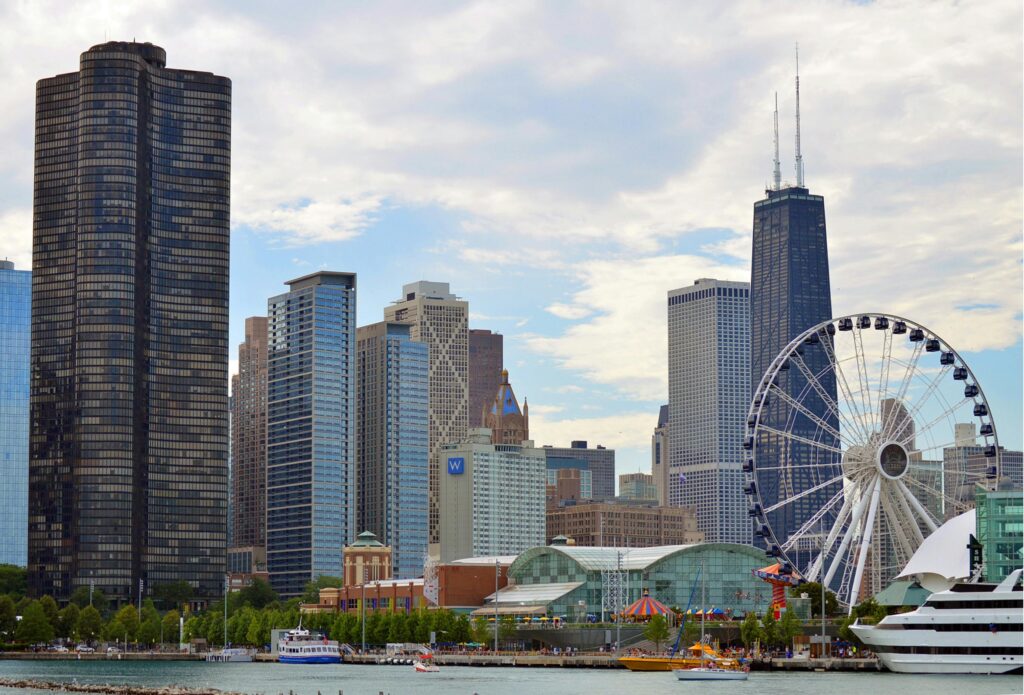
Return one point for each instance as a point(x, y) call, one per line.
point(456, 465)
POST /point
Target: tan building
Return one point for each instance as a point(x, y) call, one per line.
point(366, 560)
point(567, 486)
point(659, 455)
point(486, 357)
point(249, 442)
point(602, 524)
point(441, 320)
point(507, 422)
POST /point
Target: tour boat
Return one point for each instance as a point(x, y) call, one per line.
point(969, 628)
point(301, 647)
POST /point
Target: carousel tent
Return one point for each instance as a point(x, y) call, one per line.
point(645, 607)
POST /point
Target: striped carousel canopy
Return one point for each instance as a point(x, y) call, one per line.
point(646, 607)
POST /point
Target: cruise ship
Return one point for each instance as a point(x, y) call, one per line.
point(969, 628)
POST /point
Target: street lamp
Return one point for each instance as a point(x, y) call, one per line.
point(497, 574)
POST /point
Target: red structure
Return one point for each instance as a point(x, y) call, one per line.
point(779, 580)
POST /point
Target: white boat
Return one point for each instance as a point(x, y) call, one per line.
point(425, 666)
point(969, 628)
point(301, 647)
point(708, 671)
point(232, 655)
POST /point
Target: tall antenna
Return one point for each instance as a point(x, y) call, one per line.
point(777, 175)
point(799, 157)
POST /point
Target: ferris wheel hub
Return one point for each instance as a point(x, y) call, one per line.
point(893, 460)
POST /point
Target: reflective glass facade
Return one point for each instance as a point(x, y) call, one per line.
point(789, 293)
point(392, 439)
point(1000, 526)
point(668, 573)
point(249, 438)
point(128, 439)
point(310, 429)
point(15, 325)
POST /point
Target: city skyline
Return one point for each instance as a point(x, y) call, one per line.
point(540, 207)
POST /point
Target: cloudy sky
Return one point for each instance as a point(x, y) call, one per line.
point(564, 164)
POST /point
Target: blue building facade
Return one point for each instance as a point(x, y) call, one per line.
point(15, 330)
point(310, 429)
point(392, 442)
point(789, 293)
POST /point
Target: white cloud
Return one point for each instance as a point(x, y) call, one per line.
point(567, 311)
point(625, 430)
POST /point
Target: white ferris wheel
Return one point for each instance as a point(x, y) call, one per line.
point(865, 434)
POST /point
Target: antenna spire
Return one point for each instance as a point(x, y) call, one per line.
point(777, 174)
point(799, 157)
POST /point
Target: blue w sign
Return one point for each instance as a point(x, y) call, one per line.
point(456, 466)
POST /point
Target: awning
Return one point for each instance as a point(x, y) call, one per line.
point(507, 609)
point(532, 594)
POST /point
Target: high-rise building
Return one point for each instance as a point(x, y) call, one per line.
point(570, 485)
point(129, 416)
point(249, 438)
point(392, 441)
point(638, 487)
point(624, 524)
point(486, 359)
point(492, 497)
point(600, 461)
point(659, 455)
point(709, 394)
point(15, 328)
point(440, 320)
point(311, 384)
point(789, 293)
point(508, 423)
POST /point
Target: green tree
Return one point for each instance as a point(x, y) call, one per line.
point(770, 630)
point(461, 632)
point(813, 591)
point(67, 621)
point(656, 631)
point(8, 618)
point(750, 629)
point(789, 627)
point(506, 630)
point(482, 631)
point(90, 624)
point(34, 628)
point(125, 625)
point(51, 609)
point(80, 597)
point(258, 594)
point(149, 630)
point(311, 594)
point(13, 580)
point(172, 594)
point(170, 626)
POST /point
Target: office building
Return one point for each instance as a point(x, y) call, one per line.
point(392, 441)
point(129, 409)
point(508, 423)
point(249, 439)
point(569, 482)
point(440, 320)
point(369, 560)
point(659, 455)
point(311, 486)
point(966, 469)
point(624, 524)
point(999, 517)
point(600, 461)
point(709, 395)
point(492, 497)
point(638, 487)
point(789, 293)
point(486, 359)
point(15, 329)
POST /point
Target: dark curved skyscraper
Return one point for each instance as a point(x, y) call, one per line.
point(128, 434)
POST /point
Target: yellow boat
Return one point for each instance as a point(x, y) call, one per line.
point(668, 663)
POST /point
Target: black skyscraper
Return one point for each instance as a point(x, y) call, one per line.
point(128, 460)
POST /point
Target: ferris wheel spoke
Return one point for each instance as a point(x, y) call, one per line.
point(915, 528)
point(865, 542)
point(944, 417)
point(865, 430)
point(899, 526)
point(781, 393)
point(803, 493)
point(911, 368)
point(948, 502)
point(797, 465)
point(862, 377)
point(922, 513)
point(811, 522)
point(804, 440)
point(851, 530)
point(883, 376)
point(929, 391)
point(830, 403)
point(818, 568)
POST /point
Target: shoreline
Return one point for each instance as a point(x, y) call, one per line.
point(107, 688)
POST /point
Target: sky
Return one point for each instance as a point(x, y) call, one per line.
point(564, 165)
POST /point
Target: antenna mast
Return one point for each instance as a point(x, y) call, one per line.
point(777, 174)
point(799, 157)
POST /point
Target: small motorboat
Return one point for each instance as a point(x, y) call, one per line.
point(425, 665)
point(710, 673)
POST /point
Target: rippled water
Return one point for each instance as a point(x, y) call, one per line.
point(272, 679)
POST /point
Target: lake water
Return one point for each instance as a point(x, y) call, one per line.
point(271, 679)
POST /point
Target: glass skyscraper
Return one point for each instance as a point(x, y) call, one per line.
point(129, 416)
point(392, 439)
point(15, 325)
point(311, 405)
point(789, 293)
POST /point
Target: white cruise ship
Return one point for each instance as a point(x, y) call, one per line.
point(969, 628)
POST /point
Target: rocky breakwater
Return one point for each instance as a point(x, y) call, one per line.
point(107, 689)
